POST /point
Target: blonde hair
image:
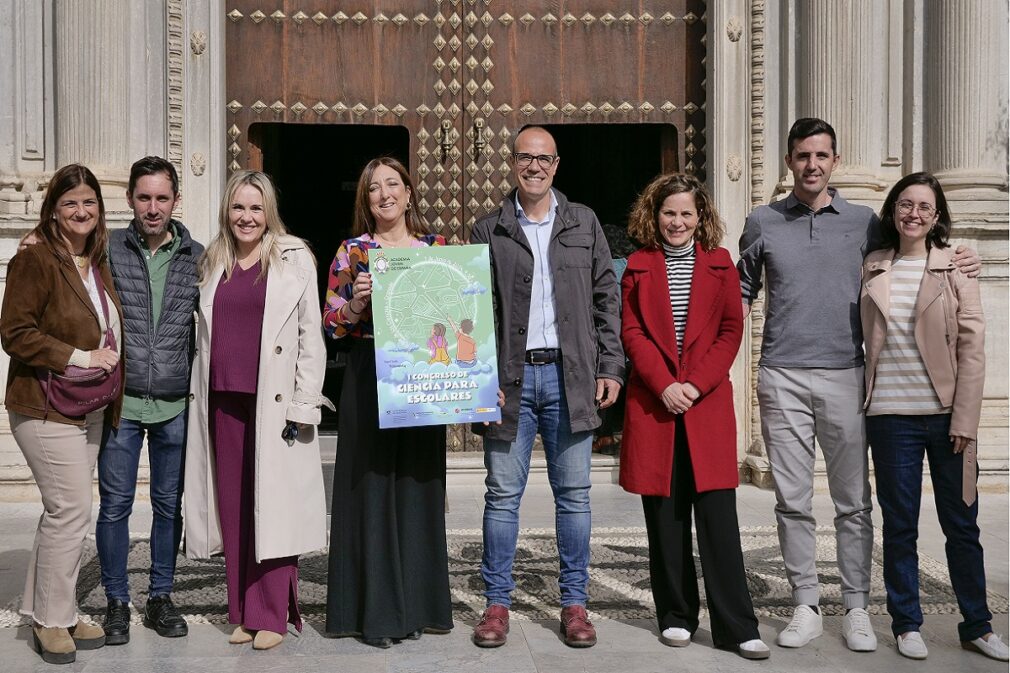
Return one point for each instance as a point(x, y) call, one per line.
point(643, 223)
point(221, 251)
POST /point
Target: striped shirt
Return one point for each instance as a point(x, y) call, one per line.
point(901, 383)
point(679, 268)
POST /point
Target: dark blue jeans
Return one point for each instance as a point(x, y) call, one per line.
point(898, 444)
point(117, 484)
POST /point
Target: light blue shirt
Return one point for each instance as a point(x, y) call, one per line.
point(542, 330)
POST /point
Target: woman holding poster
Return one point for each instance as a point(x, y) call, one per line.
point(388, 568)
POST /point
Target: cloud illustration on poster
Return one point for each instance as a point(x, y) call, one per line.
point(474, 288)
point(402, 347)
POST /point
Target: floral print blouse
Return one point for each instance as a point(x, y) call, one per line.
point(352, 259)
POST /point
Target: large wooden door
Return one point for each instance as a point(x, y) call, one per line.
point(462, 76)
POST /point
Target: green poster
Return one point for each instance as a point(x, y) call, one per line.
point(436, 360)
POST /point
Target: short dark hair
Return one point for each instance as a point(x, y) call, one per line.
point(810, 126)
point(151, 166)
point(938, 235)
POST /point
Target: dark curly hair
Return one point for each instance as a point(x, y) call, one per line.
point(939, 233)
point(643, 223)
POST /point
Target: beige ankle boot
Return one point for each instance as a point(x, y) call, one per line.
point(87, 636)
point(54, 644)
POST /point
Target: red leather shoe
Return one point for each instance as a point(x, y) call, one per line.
point(492, 628)
point(576, 627)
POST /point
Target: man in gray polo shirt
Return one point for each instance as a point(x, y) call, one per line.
point(810, 247)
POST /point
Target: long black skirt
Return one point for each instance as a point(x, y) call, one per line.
point(388, 566)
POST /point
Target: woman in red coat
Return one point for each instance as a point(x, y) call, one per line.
point(682, 325)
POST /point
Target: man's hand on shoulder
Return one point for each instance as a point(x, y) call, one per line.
point(29, 239)
point(967, 260)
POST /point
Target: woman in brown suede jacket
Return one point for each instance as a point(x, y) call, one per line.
point(52, 317)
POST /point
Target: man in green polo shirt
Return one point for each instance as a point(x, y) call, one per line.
point(153, 263)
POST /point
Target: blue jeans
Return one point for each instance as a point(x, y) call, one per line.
point(543, 409)
point(117, 484)
point(898, 444)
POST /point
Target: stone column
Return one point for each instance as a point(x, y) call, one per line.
point(964, 143)
point(962, 107)
point(840, 71)
point(91, 70)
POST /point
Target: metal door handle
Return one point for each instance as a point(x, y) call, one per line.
point(478, 138)
point(445, 140)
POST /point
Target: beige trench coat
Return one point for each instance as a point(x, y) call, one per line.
point(290, 502)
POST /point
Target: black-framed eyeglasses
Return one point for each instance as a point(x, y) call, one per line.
point(523, 159)
point(905, 207)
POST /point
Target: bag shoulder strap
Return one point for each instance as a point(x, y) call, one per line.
point(110, 340)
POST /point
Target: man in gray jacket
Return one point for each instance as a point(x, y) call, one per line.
point(559, 361)
point(153, 263)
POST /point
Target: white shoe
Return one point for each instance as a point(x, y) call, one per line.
point(912, 646)
point(804, 627)
point(858, 632)
point(994, 648)
point(754, 649)
point(675, 637)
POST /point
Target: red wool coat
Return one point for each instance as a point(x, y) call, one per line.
point(711, 340)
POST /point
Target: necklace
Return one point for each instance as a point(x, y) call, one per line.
point(390, 243)
point(81, 261)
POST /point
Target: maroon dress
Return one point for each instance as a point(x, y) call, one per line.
point(261, 596)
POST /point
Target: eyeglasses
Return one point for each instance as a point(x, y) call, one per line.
point(906, 207)
point(545, 161)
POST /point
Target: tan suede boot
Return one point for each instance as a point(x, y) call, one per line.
point(87, 636)
point(54, 644)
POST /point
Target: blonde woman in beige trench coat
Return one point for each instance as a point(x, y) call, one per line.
point(288, 516)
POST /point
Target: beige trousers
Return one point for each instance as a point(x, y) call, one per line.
point(62, 460)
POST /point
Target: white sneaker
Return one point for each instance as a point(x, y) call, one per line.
point(675, 637)
point(911, 645)
point(994, 648)
point(754, 649)
point(858, 632)
point(804, 627)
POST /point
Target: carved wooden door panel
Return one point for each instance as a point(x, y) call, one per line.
point(578, 62)
point(461, 76)
point(377, 65)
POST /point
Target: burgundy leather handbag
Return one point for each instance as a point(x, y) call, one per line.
point(81, 390)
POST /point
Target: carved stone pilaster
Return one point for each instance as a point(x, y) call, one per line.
point(839, 78)
point(962, 109)
point(91, 57)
